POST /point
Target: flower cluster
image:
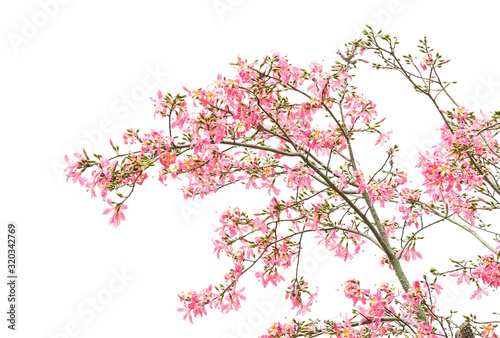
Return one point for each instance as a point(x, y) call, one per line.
point(488, 271)
point(353, 291)
point(278, 330)
point(195, 302)
point(295, 293)
point(383, 312)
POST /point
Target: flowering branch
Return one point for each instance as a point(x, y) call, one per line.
point(279, 128)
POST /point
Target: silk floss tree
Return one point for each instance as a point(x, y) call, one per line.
point(291, 132)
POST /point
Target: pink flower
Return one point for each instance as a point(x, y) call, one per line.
point(438, 288)
point(461, 275)
point(273, 277)
point(281, 330)
point(117, 215)
point(410, 253)
point(251, 182)
point(383, 137)
point(234, 300)
point(360, 107)
point(353, 291)
point(295, 292)
point(478, 293)
point(489, 331)
point(426, 61)
point(385, 260)
point(160, 104)
point(72, 170)
point(488, 271)
point(194, 303)
point(380, 192)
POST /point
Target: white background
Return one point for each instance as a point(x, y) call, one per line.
point(65, 79)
